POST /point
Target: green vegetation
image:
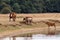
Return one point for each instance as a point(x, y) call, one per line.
point(29, 6)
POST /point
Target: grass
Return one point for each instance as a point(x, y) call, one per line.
point(11, 27)
point(4, 20)
point(2, 28)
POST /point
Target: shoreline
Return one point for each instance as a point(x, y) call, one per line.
point(23, 31)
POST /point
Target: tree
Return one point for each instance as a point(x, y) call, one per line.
point(5, 10)
point(16, 7)
point(31, 6)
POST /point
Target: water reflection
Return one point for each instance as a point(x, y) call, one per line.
point(36, 37)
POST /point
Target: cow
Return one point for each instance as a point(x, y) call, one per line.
point(12, 16)
point(49, 25)
point(27, 20)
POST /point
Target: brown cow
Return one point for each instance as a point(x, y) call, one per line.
point(49, 25)
point(27, 20)
point(12, 16)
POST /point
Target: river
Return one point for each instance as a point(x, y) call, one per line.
point(35, 37)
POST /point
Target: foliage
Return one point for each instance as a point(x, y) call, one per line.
point(5, 10)
point(30, 6)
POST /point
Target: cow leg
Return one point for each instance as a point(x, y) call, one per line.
point(26, 22)
point(30, 21)
point(13, 19)
point(9, 19)
point(48, 29)
point(55, 28)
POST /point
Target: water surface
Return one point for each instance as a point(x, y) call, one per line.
point(36, 37)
